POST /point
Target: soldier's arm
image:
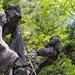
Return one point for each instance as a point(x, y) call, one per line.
point(45, 52)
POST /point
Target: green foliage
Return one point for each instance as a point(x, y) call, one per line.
point(41, 19)
point(7, 37)
point(8, 3)
point(1, 5)
point(62, 66)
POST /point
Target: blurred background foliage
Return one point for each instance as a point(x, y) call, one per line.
point(41, 19)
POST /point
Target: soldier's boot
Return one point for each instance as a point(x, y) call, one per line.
point(7, 56)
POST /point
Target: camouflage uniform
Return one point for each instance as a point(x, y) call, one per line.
point(9, 21)
point(51, 51)
point(6, 55)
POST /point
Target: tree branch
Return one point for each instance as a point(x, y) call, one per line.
point(66, 9)
point(71, 5)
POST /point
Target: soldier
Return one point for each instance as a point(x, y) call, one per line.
point(7, 56)
point(18, 45)
point(51, 52)
point(9, 19)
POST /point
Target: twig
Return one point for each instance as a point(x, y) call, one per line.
point(70, 17)
point(71, 5)
point(66, 9)
point(32, 66)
